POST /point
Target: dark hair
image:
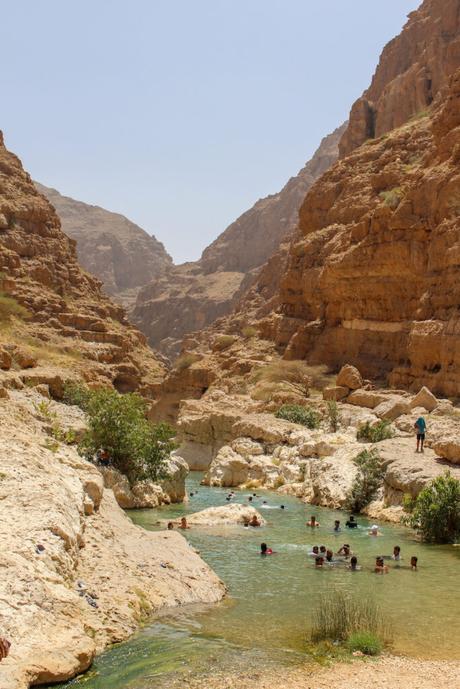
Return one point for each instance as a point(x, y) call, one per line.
point(354, 560)
point(263, 547)
point(319, 559)
point(337, 521)
point(282, 507)
point(414, 558)
point(397, 547)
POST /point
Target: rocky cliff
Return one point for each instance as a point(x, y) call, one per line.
point(414, 68)
point(56, 321)
point(111, 247)
point(191, 296)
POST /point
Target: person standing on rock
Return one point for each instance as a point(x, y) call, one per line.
point(420, 429)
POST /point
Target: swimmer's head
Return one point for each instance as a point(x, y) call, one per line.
point(413, 561)
point(170, 526)
point(282, 507)
point(319, 561)
point(354, 561)
point(315, 549)
point(396, 550)
point(263, 548)
point(322, 549)
point(329, 555)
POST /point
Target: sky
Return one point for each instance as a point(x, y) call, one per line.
point(181, 114)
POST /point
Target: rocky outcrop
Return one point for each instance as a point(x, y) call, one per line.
point(191, 296)
point(77, 574)
point(413, 70)
point(226, 515)
point(56, 311)
point(111, 247)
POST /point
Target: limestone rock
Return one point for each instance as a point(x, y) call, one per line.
point(424, 398)
point(335, 392)
point(366, 398)
point(222, 516)
point(5, 359)
point(392, 408)
point(349, 377)
point(448, 448)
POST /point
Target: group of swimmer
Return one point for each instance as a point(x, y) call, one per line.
point(325, 556)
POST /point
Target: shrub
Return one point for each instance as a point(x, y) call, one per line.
point(375, 433)
point(186, 360)
point(305, 416)
point(366, 642)
point(333, 415)
point(223, 342)
point(11, 308)
point(338, 615)
point(392, 197)
point(117, 422)
point(76, 394)
point(436, 510)
point(249, 331)
point(294, 375)
point(367, 481)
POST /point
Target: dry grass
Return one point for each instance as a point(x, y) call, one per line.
point(11, 308)
point(184, 361)
point(294, 376)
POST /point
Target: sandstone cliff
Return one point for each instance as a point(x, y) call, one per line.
point(414, 68)
point(111, 247)
point(191, 296)
point(51, 311)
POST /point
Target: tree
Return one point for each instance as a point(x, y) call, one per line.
point(368, 479)
point(118, 423)
point(436, 510)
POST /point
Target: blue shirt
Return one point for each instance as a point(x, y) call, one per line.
point(421, 425)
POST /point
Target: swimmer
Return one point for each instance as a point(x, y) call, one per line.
point(396, 553)
point(170, 526)
point(264, 550)
point(282, 507)
point(353, 566)
point(264, 502)
point(254, 521)
point(351, 524)
point(192, 494)
point(314, 551)
point(246, 523)
point(329, 555)
point(345, 550)
point(250, 498)
point(183, 524)
point(319, 561)
point(413, 563)
point(337, 525)
point(313, 521)
point(380, 566)
point(374, 531)
point(322, 550)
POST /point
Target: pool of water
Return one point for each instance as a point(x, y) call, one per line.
point(266, 618)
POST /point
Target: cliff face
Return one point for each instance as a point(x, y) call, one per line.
point(68, 322)
point(191, 296)
point(121, 254)
point(414, 68)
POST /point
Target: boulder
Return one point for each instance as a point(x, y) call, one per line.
point(24, 359)
point(448, 448)
point(5, 360)
point(227, 469)
point(392, 408)
point(174, 485)
point(335, 393)
point(424, 398)
point(223, 516)
point(247, 447)
point(365, 398)
point(349, 377)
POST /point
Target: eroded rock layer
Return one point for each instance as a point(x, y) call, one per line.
point(49, 306)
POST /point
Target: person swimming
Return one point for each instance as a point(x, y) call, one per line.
point(319, 561)
point(250, 498)
point(396, 553)
point(265, 550)
point(183, 523)
point(313, 521)
point(345, 550)
point(351, 524)
point(413, 563)
point(170, 526)
point(337, 525)
point(314, 551)
point(380, 566)
point(329, 556)
point(254, 521)
point(322, 550)
point(282, 507)
point(353, 566)
point(374, 531)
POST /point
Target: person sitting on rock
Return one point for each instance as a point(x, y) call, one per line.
point(420, 429)
point(313, 521)
point(265, 550)
point(183, 523)
point(5, 646)
point(413, 563)
point(351, 524)
point(254, 521)
point(380, 566)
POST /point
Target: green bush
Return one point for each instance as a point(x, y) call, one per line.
point(10, 307)
point(76, 394)
point(436, 510)
point(392, 197)
point(368, 480)
point(305, 416)
point(338, 615)
point(223, 342)
point(366, 642)
point(375, 433)
point(333, 415)
point(186, 360)
point(249, 331)
point(118, 423)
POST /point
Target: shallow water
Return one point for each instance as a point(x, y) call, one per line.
point(266, 619)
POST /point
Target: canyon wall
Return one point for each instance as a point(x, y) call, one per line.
point(191, 296)
point(111, 247)
point(54, 311)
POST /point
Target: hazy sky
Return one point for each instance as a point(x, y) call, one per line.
point(180, 114)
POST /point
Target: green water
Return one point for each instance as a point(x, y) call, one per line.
point(266, 618)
